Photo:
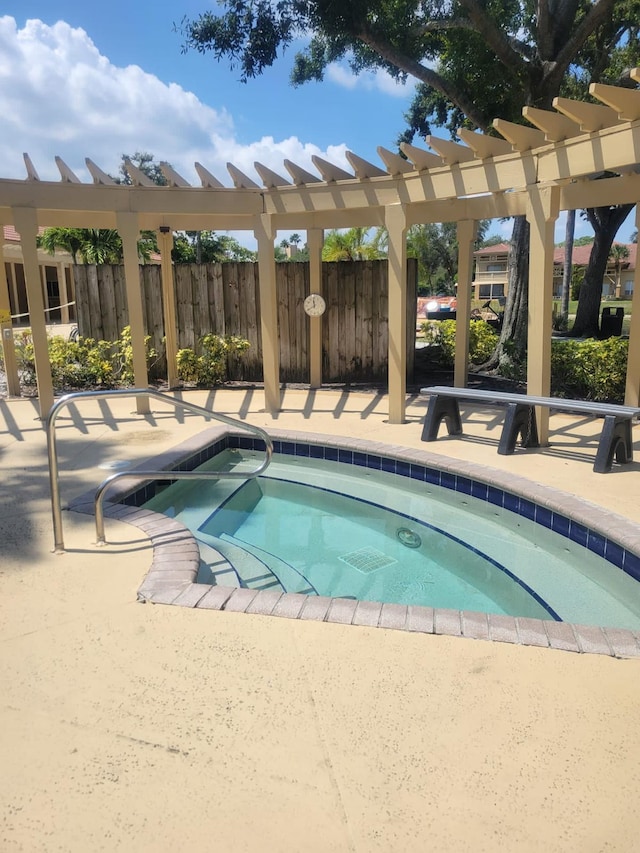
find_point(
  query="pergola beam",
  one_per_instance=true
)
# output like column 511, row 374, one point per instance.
column 522, row 138
column 484, row 146
column 555, row 126
column 590, row 117
column 451, row 152
column 626, row 102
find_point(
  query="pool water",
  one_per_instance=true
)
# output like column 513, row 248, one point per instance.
column 325, row 528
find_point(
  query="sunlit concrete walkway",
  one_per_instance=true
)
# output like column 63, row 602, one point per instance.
column 138, row 727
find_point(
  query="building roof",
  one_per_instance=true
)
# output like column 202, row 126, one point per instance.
column 12, row 236
column 580, row 255
column 498, row 249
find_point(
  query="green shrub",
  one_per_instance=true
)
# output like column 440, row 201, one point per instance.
column 122, row 355
column 482, row 340
column 83, row 363
column 589, row 370
column 210, row 367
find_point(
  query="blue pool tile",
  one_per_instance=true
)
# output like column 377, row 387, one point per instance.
column 448, row 480
column 245, row 442
column 560, row 524
column 464, row 485
column 373, row 461
column 578, row 533
column 494, row 496
column 544, row 517
column 360, row 458
column 403, row 469
column 632, row 565
column 432, row 476
column 596, row 543
column 511, row 502
column 331, row 453
column 288, row 447
column 479, row 490
column 527, row 509
column 418, row 472
column 614, row 553
column 388, row 465
column 345, row 456
column 302, row 450
column 316, row 451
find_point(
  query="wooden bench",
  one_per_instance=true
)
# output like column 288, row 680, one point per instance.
column 520, row 419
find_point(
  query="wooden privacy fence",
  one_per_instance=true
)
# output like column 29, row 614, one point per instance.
column 224, row 299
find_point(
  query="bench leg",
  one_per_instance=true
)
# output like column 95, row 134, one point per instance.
column 519, row 419
column 441, row 408
column 616, row 438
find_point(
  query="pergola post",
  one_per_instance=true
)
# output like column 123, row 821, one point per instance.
column 632, row 386
column 396, row 223
column 26, row 224
column 542, row 211
column 165, row 242
column 6, row 331
column 127, row 225
column 265, row 233
column 467, row 230
column 315, row 240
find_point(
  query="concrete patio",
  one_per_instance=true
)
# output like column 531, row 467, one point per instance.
column 146, row 727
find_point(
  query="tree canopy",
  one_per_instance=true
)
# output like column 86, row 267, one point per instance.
column 207, row 247
column 94, row 245
column 474, row 60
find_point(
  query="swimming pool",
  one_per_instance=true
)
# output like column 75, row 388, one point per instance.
column 510, row 555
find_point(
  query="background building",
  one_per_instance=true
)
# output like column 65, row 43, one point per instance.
column 490, row 271
column 56, row 275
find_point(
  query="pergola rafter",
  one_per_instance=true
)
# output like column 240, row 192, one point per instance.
column 533, row 171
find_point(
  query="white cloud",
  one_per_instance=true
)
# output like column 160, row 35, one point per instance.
column 59, row 95
column 378, row 80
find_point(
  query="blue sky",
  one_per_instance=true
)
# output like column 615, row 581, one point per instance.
column 98, row 80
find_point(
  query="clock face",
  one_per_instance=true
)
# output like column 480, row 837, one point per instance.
column 314, row 305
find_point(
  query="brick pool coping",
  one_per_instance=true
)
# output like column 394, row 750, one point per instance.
column 171, row 577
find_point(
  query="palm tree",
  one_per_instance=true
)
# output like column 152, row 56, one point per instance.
column 70, row 240
column 350, row 245
column 94, row 245
column 618, row 254
column 101, row 246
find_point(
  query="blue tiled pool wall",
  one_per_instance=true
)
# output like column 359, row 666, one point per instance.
column 561, row 524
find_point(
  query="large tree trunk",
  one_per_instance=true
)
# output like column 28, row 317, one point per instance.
column 605, row 222
column 512, row 345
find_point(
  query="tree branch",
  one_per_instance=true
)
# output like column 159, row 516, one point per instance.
column 576, row 38
column 502, row 46
column 439, row 25
column 426, row 75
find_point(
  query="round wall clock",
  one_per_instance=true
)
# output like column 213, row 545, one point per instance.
column 314, row 305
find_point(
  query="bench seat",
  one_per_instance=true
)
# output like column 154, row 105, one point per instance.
column 616, row 438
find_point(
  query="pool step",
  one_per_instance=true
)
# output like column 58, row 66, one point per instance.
column 251, row 571
column 215, row 568
column 287, row 577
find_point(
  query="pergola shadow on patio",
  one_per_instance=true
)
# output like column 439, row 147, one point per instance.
column 534, row 171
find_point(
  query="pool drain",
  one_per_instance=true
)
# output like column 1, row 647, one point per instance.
column 367, row 560
column 407, row 537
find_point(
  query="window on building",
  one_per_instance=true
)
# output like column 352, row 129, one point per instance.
column 496, row 267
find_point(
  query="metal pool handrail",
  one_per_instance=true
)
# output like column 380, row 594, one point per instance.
column 52, row 451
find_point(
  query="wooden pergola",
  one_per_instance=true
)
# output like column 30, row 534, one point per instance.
column 536, row 171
